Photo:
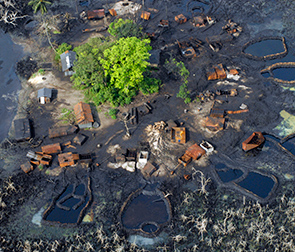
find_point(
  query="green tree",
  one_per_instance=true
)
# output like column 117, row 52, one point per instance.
column 39, row 5
column 180, row 71
column 89, row 73
column 125, row 28
column 113, row 72
column 125, row 62
column 61, row 49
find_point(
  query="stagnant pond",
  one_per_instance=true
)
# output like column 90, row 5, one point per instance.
column 147, row 209
column 284, row 73
column 258, row 184
column 73, row 205
column 288, row 145
column 265, row 47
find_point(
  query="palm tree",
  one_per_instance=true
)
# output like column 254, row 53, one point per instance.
column 39, row 4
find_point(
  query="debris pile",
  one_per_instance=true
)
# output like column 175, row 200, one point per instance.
column 155, row 136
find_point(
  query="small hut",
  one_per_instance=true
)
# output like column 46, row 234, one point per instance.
column 67, row 62
column 83, row 115
column 44, row 95
column 22, row 129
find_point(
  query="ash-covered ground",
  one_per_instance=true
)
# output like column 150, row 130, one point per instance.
column 218, row 216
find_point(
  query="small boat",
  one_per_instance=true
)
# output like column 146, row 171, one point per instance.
column 254, row 141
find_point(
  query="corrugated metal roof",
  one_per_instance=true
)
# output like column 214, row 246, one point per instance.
column 83, row 113
column 67, row 60
column 45, row 92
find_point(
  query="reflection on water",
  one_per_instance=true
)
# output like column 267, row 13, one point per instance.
column 72, row 204
column 10, row 53
column 290, row 145
column 229, row 175
column 258, row 184
column 287, row 74
column 145, row 209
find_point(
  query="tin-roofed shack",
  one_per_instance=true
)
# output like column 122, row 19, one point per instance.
column 44, row 95
column 22, row 129
column 83, row 115
column 67, row 62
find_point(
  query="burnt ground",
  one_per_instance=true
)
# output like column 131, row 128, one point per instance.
column 111, row 187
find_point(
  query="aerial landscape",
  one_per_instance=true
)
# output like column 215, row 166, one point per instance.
column 147, row 125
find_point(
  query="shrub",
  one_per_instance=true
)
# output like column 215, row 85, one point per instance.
column 61, row 49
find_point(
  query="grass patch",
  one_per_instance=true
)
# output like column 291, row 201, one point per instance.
column 67, row 116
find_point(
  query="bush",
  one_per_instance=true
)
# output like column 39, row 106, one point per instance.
column 61, row 49
column 125, row 28
column 41, row 71
column 180, row 71
column 113, row 113
column 67, row 116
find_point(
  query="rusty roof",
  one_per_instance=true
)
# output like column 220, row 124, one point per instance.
column 83, row 113
column 195, row 151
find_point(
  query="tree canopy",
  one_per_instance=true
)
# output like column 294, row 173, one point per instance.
column 113, row 71
column 125, row 28
column 125, row 62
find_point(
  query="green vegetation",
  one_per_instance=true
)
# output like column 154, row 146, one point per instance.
column 61, row 49
column 39, row 5
column 41, row 71
column 113, row 71
column 113, row 113
column 67, row 116
column 124, row 64
column 40, row 167
column 180, row 71
column 125, row 28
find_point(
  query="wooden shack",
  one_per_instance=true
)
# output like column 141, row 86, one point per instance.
column 149, row 169
column 96, row 14
column 214, row 123
column 195, row 152
column 83, row 115
column 27, row 167
column 67, row 159
column 62, row 131
column 180, row 19
column 216, row 73
column 51, row 148
column 145, row 15
column 22, row 129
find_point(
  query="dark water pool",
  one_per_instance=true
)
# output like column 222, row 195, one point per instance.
column 284, row 73
column 265, row 47
column 71, row 216
column 145, row 209
column 229, row 175
column 220, row 166
column 290, row 145
column 258, row 184
column 266, row 74
column 149, row 228
column 80, row 189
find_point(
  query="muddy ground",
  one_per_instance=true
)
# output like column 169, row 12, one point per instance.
column 28, row 193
